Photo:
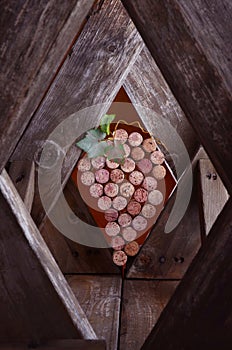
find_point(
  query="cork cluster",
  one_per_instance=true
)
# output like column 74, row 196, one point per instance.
column 126, row 193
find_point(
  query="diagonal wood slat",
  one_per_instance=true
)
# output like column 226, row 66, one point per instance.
column 146, row 86
column 213, row 195
column 22, row 174
column 92, row 74
column 199, row 313
column 34, row 39
column 36, row 301
column 190, row 42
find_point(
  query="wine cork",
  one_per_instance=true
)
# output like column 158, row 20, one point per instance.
column 117, row 176
column 118, row 243
column 132, row 248
column 140, row 195
column 111, row 215
column 159, row 172
column 112, row 229
column 155, row 197
column 139, row 223
column 148, row 211
column 87, row 178
column 111, row 189
column 119, row 258
column 104, row 203
column 84, row 164
column 136, row 177
column 127, row 189
column 102, row 176
column 133, row 208
column 127, row 150
column 145, row 165
column 129, row 234
column 124, row 220
column 96, row 190
column 137, row 153
column 98, row 162
column 111, row 164
column 157, row 157
column 149, row 145
column 135, row 139
column 128, row 166
column 149, row 183
column 119, row 203
column 121, row 135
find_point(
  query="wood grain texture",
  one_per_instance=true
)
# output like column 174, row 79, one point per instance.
column 71, row 256
column 143, row 301
column 34, row 39
column 213, row 194
column 90, row 77
column 168, row 256
column 184, row 45
column 36, row 301
column 22, row 174
column 70, row 344
column 146, row 86
column 199, row 313
column 100, row 299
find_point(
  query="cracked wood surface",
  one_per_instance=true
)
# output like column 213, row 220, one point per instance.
column 34, row 39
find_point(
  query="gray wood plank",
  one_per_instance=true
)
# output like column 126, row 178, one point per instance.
column 213, row 194
column 168, row 256
column 36, row 301
column 143, row 301
column 146, row 86
column 34, row 39
column 199, row 313
column 100, row 298
column 90, row 77
column 188, row 43
column 22, row 174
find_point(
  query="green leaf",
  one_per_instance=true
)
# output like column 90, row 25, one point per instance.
column 98, row 149
column 105, row 122
column 84, row 144
column 91, row 139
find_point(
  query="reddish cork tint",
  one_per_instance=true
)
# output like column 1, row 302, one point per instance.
column 126, row 199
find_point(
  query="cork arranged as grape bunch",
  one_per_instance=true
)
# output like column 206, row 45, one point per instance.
column 126, row 192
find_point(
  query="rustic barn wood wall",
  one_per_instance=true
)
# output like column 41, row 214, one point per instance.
column 68, row 56
column 189, row 46
column 35, row 38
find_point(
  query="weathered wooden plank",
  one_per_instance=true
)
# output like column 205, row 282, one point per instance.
column 143, row 301
column 213, row 195
column 70, row 344
column 90, row 77
column 34, row 39
column 188, row 43
column 100, row 298
column 36, row 301
column 146, row 87
column 168, row 256
column 22, row 174
column 199, row 313
column 71, row 256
